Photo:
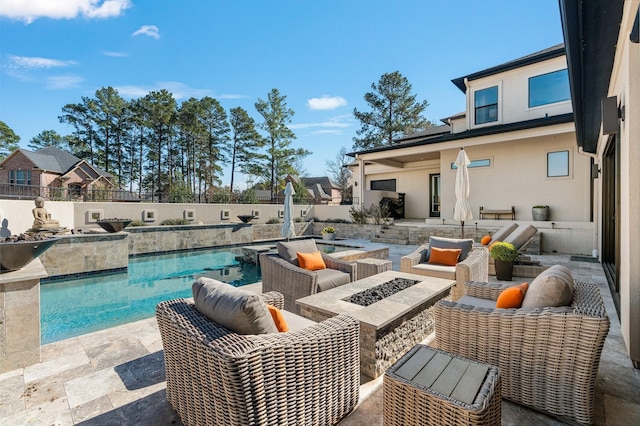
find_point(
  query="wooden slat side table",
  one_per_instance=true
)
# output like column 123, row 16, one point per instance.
column 428, row 386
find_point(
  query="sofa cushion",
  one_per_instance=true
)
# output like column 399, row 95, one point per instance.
column 278, row 318
column 238, row 310
column 296, row 322
column 465, row 245
column 311, row 261
column 446, row 257
column 553, row 287
column 503, row 232
column 288, row 250
column 520, row 236
column 477, row 302
column 331, row 278
column 438, row 271
column 512, row 297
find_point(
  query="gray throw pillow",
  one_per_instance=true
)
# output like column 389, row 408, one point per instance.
column 553, row 287
column 288, row 250
column 238, row 310
column 465, row 245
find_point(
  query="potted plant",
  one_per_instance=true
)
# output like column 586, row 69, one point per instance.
column 329, row 233
column 504, row 255
column 540, row 212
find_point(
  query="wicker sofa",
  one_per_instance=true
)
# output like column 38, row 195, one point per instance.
column 473, row 268
column 548, row 357
column 283, row 275
column 217, row 377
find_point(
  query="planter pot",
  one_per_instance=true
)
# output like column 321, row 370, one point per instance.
column 504, row 270
column 15, row 255
column 540, row 213
column 328, row 236
column 112, row 226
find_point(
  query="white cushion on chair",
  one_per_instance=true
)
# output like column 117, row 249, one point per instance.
column 433, row 270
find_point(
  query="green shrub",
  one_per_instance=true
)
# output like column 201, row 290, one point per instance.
column 273, row 220
column 504, row 251
column 175, row 222
column 329, row 230
column 298, row 219
column 137, row 222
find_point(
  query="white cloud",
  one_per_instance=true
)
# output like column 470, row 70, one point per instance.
column 148, row 30
column 115, row 54
column 232, row 96
column 33, row 62
column 63, row 81
column 337, row 122
column 30, row 10
column 179, row 90
column 326, row 102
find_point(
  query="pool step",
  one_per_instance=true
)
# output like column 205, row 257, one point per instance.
column 392, row 235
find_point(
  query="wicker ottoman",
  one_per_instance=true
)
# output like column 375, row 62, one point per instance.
column 428, row 386
column 370, row 266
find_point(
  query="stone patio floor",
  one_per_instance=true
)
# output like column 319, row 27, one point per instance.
column 116, row 376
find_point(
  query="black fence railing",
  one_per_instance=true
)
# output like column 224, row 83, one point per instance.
column 30, row 192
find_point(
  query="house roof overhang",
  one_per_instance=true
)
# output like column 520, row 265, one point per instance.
column 590, row 31
column 425, row 149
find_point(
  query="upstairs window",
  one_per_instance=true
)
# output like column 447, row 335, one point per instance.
column 20, row 177
column 549, row 88
column 558, row 164
column 486, row 105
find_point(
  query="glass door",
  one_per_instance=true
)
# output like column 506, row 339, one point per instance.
column 611, row 218
column 434, row 195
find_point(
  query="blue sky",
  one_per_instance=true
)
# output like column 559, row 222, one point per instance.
column 323, row 55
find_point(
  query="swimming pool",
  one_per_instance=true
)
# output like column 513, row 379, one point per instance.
column 74, row 307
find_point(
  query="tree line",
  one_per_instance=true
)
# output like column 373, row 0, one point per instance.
column 156, row 145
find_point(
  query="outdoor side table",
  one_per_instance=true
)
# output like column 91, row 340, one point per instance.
column 428, row 386
column 370, row 266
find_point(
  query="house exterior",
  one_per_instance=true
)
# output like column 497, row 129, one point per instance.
column 517, row 129
column 603, row 51
column 52, row 173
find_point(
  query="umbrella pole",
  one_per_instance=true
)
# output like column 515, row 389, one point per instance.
column 462, row 228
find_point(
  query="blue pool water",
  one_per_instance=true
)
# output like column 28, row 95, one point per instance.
column 74, row 307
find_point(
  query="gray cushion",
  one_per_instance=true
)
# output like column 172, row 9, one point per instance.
column 238, row 310
column 331, row 278
column 478, row 302
column 553, row 287
column 287, row 250
column 520, row 236
column 465, row 245
column 503, row 232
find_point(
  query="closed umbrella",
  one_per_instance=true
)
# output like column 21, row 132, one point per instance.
column 462, row 209
column 288, row 228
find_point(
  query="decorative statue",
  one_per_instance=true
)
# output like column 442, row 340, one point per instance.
column 42, row 219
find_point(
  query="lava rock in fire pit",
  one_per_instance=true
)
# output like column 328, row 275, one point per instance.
column 379, row 292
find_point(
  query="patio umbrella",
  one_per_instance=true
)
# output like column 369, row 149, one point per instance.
column 462, row 209
column 288, row 228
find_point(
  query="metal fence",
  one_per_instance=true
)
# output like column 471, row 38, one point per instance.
column 30, row 192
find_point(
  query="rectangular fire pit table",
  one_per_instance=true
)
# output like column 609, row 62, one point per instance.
column 388, row 327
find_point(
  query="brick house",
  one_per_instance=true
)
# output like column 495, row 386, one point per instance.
column 52, row 173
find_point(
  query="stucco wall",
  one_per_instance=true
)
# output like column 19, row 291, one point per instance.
column 19, row 218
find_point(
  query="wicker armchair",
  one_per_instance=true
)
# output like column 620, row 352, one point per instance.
column 293, row 281
column 473, row 268
column 217, row 377
column 548, row 357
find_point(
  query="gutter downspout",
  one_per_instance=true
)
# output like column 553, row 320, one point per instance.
column 361, row 180
column 594, row 200
column 468, row 98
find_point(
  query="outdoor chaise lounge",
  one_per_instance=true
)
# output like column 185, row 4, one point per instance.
column 218, row 377
column 472, row 264
column 548, row 357
column 281, row 272
column 519, row 237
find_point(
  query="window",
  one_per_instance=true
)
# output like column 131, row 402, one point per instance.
column 20, row 177
column 434, row 191
column 549, row 88
column 475, row 163
column 383, row 185
column 558, row 164
column 486, row 105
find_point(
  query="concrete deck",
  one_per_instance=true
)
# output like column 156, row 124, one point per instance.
column 116, row 376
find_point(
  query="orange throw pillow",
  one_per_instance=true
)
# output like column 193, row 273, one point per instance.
column 311, row 261
column 512, row 297
column 278, row 318
column 447, row 257
column 485, row 240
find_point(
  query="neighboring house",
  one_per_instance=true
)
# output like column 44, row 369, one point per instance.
column 518, row 131
column 51, row 172
column 322, row 190
column 603, row 47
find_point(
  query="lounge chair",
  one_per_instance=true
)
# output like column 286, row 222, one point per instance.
column 519, row 237
column 472, row 265
column 281, row 273
column 548, row 357
column 218, row 377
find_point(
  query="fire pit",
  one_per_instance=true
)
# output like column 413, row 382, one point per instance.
column 372, row 295
column 114, row 225
column 18, row 251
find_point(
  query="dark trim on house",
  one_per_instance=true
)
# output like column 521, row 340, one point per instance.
column 543, row 55
column 590, row 31
column 635, row 31
column 483, row 131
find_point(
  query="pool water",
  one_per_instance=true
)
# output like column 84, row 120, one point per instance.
column 74, row 307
